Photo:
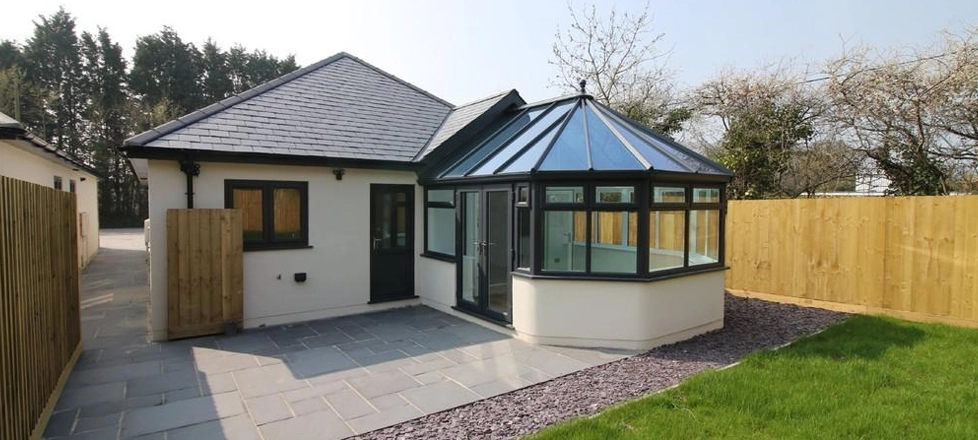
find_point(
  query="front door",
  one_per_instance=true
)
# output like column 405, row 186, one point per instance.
column 486, row 253
column 391, row 242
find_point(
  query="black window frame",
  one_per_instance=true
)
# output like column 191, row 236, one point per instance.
column 71, row 186
column 686, row 207
column 427, row 252
column 58, row 183
column 589, row 206
column 268, row 212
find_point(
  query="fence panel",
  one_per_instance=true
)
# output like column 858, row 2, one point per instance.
column 40, row 333
column 913, row 257
column 205, row 279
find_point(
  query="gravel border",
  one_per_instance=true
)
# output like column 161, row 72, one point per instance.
column 749, row 325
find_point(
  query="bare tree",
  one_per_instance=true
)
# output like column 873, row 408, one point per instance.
column 914, row 113
column 769, row 127
column 621, row 60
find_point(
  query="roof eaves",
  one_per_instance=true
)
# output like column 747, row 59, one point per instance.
column 150, row 135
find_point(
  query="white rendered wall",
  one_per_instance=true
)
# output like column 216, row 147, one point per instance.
column 23, row 161
column 338, row 264
column 617, row 314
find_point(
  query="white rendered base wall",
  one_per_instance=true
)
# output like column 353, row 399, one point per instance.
column 617, row 314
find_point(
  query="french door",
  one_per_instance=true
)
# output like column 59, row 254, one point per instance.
column 484, row 283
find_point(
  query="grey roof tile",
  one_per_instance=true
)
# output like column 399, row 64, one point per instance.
column 340, row 107
column 458, row 119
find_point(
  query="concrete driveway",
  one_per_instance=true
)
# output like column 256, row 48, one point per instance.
column 325, row 379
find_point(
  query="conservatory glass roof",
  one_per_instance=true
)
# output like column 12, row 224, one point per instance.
column 574, row 134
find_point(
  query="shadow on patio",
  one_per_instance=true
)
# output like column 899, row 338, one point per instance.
column 322, row 379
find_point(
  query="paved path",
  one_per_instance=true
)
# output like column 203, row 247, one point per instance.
column 325, row 379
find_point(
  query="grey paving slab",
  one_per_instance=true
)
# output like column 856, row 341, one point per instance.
column 179, row 414
column 99, row 423
column 439, row 396
column 270, row 379
column 309, row 406
column 268, row 409
column 315, row 426
column 300, row 381
column 230, row 428
column 90, row 395
column 383, row 383
column 349, row 404
column 161, row 383
column 382, row 419
column 61, row 423
column 500, row 386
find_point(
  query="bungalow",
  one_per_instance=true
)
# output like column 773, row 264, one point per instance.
column 27, row 157
column 559, row 222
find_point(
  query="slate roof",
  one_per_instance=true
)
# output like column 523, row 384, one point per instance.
column 340, row 107
column 12, row 129
column 459, row 118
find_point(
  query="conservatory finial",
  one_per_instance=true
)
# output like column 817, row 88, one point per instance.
column 583, row 83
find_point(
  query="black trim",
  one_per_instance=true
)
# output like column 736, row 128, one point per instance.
column 438, row 256
column 657, row 276
column 387, row 300
column 266, row 159
column 486, row 318
column 268, row 212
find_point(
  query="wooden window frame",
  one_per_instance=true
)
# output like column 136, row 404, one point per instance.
column 268, row 188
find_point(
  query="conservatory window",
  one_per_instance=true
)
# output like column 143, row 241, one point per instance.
column 564, row 241
column 667, row 230
column 704, row 237
column 614, row 241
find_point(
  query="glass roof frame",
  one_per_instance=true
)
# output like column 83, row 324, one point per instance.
column 575, row 134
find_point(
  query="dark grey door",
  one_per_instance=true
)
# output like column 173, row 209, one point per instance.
column 484, row 285
column 391, row 242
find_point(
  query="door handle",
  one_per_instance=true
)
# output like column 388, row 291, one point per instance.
column 377, row 240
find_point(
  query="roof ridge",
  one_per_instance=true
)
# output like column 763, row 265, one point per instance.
column 484, row 99
column 395, row 78
column 199, row 114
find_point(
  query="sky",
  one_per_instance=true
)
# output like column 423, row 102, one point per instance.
column 462, row 50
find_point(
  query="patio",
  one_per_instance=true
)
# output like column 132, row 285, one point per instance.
column 322, row 379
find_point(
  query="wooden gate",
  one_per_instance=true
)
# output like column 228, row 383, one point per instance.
column 204, row 271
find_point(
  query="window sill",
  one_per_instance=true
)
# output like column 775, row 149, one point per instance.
column 622, row 277
column 439, row 257
column 275, row 247
column 485, row 318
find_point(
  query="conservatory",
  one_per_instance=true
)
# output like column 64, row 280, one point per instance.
column 575, row 225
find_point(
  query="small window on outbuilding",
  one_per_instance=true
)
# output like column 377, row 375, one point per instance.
column 440, row 227
column 275, row 213
column 71, row 186
column 57, row 182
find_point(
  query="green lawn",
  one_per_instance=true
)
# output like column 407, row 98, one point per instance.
column 866, row 378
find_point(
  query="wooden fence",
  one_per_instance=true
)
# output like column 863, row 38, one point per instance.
column 40, row 334
column 205, row 279
column 912, row 257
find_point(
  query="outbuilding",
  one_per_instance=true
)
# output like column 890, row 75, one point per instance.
column 26, row 157
column 561, row 222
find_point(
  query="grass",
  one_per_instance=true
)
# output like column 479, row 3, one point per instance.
column 866, row 378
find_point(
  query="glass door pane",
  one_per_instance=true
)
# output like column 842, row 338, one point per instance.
column 471, row 238
column 497, row 264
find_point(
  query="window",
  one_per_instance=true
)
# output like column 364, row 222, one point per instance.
column 523, row 243
column 57, row 182
column 440, row 225
column 275, row 214
column 71, row 185
column 593, row 234
column 684, row 231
